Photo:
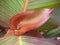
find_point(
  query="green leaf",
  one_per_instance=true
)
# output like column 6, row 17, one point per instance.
column 9, row 8
column 38, row 4
column 8, row 40
column 53, row 33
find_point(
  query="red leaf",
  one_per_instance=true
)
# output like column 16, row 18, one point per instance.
column 29, row 20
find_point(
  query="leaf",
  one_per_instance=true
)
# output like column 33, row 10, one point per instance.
column 29, row 20
column 38, row 4
column 49, row 25
column 53, row 22
column 9, row 8
column 9, row 40
column 53, row 33
column 38, row 41
column 27, row 40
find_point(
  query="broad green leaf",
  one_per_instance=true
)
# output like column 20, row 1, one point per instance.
column 10, row 40
column 38, row 4
column 53, row 33
column 9, row 8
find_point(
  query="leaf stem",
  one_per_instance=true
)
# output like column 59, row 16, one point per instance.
column 20, row 41
column 25, row 5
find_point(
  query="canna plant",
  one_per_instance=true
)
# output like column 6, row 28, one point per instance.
column 23, row 17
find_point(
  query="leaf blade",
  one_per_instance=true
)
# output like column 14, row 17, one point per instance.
column 38, row 4
column 10, row 8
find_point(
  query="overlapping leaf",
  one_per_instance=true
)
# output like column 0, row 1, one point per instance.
column 8, row 8
column 38, row 4
column 53, row 22
column 29, row 20
column 53, row 33
column 27, row 40
column 49, row 25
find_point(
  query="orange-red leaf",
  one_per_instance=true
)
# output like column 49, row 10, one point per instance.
column 29, row 20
